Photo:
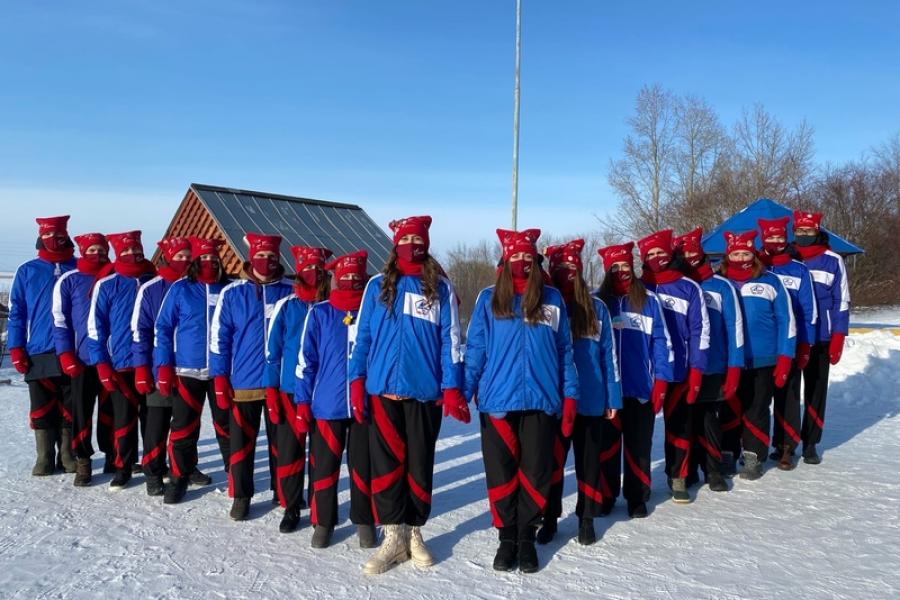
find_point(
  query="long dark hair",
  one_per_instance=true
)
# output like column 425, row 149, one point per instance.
column 582, row 316
column 502, row 301
column 431, row 279
column 637, row 293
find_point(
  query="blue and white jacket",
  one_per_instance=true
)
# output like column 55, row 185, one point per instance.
column 181, row 336
column 797, row 280
column 832, row 294
column 515, row 365
column 687, row 322
column 143, row 319
column 30, row 323
column 283, row 345
column 769, row 327
column 109, row 320
column 321, row 372
column 726, row 325
column 643, row 345
column 597, row 364
column 411, row 349
column 239, row 331
column 71, row 305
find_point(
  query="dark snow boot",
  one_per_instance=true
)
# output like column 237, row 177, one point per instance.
column 82, row 472
column 367, row 536
column 321, row 537
column 716, row 482
column 547, row 531
column 45, row 446
column 505, row 559
column 109, row 464
column 810, row 456
column 527, row 555
column 197, row 477
column 728, row 465
column 239, row 509
column 155, row 485
column 679, row 492
column 606, row 506
column 66, row 459
column 137, row 469
column 120, row 480
column 290, row 520
column 175, row 490
column 752, row 467
column 786, row 459
column 586, row 533
column 637, row 510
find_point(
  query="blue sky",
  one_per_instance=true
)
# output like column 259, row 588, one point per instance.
column 109, row 109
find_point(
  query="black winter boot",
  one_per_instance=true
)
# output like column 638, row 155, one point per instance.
column 155, row 485
column 606, row 506
column 716, row 482
column 586, row 533
column 45, row 446
column 637, row 510
column 811, row 456
column 239, row 509
column 321, row 537
column 729, row 465
column 290, row 520
column 547, row 531
column 528, row 559
column 197, row 477
column 120, row 480
column 175, row 490
column 505, row 559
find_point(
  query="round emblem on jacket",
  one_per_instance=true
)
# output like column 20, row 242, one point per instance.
column 546, row 314
column 788, row 281
column 757, row 289
column 669, row 302
column 422, row 307
column 636, row 322
column 707, row 297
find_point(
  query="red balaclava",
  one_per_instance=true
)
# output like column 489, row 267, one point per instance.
column 270, row 266
column 92, row 263
column 564, row 277
column 808, row 248
column 306, row 287
column 173, row 269
column 739, row 271
column 696, row 267
column 774, row 252
column 58, row 248
column 621, row 280
column 347, row 293
column 134, row 264
column 658, row 269
column 513, row 242
column 208, row 271
column 411, row 256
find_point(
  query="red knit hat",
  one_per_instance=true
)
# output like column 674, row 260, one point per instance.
column 201, row 246
column 570, row 252
column 411, row 225
column 86, row 240
column 123, row 241
column 740, row 241
column 773, row 227
column 807, row 219
column 513, row 242
column 260, row 242
column 355, row 262
column 692, row 241
column 618, row 253
column 309, row 255
column 58, row 225
column 660, row 239
column 173, row 245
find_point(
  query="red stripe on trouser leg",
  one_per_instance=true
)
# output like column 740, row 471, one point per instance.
column 757, row 433
column 324, row 428
column 243, row 452
column 685, row 446
column 319, row 486
column 119, row 434
column 734, row 403
column 379, row 484
column 786, row 427
column 192, row 402
column 150, row 456
column 47, row 385
column 590, row 492
column 81, row 436
column 815, row 416
column 504, row 430
column 678, row 442
column 635, row 469
column 417, row 490
column 676, row 392
column 180, row 434
column 498, row 493
column 66, row 414
column 282, row 472
column 361, row 485
column 611, row 452
column 43, row 411
column 559, row 459
column 709, row 447
column 734, row 424
column 220, row 432
column 535, row 495
column 387, row 429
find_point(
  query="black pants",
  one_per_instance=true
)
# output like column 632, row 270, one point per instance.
column 242, row 430
column 679, row 431
column 129, row 409
column 156, row 434
column 632, row 429
column 706, row 445
column 786, row 428
column 815, row 392
column 86, row 391
column 291, row 460
column 587, row 441
column 187, row 408
column 401, row 446
column 518, row 465
column 755, row 391
column 328, row 440
column 51, row 402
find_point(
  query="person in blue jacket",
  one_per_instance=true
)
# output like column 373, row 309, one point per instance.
column 688, row 324
column 71, row 305
column 237, row 361
column 324, row 409
column 181, row 359
column 769, row 345
column 798, row 282
column 646, row 361
column 311, row 285
column 31, row 349
column 110, row 346
column 407, row 359
column 725, row 359
column 601, row 394
column 519, row 365
column 832, row 292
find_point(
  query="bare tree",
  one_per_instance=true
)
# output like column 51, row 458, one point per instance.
column 471, row 268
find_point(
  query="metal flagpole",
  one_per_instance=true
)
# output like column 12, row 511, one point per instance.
column 516, row 93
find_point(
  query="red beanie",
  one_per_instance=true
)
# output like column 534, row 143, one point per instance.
column 173, row 245
column 355, row 262
column 309, row 255
column 739, row 241
column 57, row 225
column 123, row 241
column 259, row 242
column 807, row 219
column 570, row 252
column 201, row 246
column 773, row 227
column 692, row 241
column 660, row 239
column 87, row 240
column 514, row 242
column 618, row 253
column 411, row 225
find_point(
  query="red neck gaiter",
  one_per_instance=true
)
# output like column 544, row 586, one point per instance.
column 134, row 269
column 666, row 276
column 56, row 257
column 306, row 293
column 90, row 267
column 519, row 284
column 807, row 252
column 408, row 267
column 701, row 273
column 345, row 299
column 169, row 274
column 738, row 274
column 774, row 259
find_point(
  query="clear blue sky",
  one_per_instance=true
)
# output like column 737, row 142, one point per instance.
column 109, row 109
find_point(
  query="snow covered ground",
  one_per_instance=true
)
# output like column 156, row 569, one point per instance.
column 827, row 531
column 875, row 316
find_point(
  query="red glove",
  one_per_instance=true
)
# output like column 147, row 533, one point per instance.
column 782, row 370
column 455, row 405
column 272, row 400
column 836, row 347
column 732, row 379
column 224, row 392
column 570, row 407
column 304, row 418
column 358, row 399
column 695, row 378
column 802, row 355
column 658, row 395
column 20, row 359
column 143, row 379
column 70, row 364
column 165, row 379
column 109, row 379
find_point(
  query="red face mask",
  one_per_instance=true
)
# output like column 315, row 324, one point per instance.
column 350, row 284
column 743, row 265
column 208, row 271
column 179, row 266
column 694, row 261
column 311, row 277
column 98, row 258
column 520, row 269
column 267, row 266
column 773, row 248
column 413, row 252
column 564, row 279
column 657, row 263
column 131, row 259
column 55, row 243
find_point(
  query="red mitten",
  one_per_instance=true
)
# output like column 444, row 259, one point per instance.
column 70, row 364
column 109, row 379
column 304, row 418
column 20, row 359
column 695, row 379
column 272, row 400
column 165, row 379
column 570, row 408
column 143, row 379
column 836, row 347
column 732, row 380
column 455, row 405
column 658, row 394
column 782, row 370
column 802, row 355
column 224, row 392
column 358, row 399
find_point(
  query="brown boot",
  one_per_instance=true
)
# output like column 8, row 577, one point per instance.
column 786, row 461
column 82, row 472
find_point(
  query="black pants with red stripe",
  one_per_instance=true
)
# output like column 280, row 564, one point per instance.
column 129, row 410
column 291, row 460
column 402, row 440
column 243, row 430
column 786, row 428
column 156, row 434
column 815, row 392
column 86, row 391
column 679, row 431
column 755, row 391
column 587, row 444
column 706, row 445
column 328, row 440
column 187, row 408
column 518, row 465
column 51, row 402
column 631, row 430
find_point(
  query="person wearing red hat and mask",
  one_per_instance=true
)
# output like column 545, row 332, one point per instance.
column 798, row 282
column 311, row 285
column 724, row 364
column 832, row 291
column 405, row 365
column 770, row 333
column 323, row 409
column 688, row 324
column 519, row 363
column 31, row 346
column 646, row 360
column 238, row 338
column 71, row 305
column 181, row 359
column 110, row 342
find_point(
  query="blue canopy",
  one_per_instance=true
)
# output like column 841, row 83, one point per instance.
column 714, row 241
